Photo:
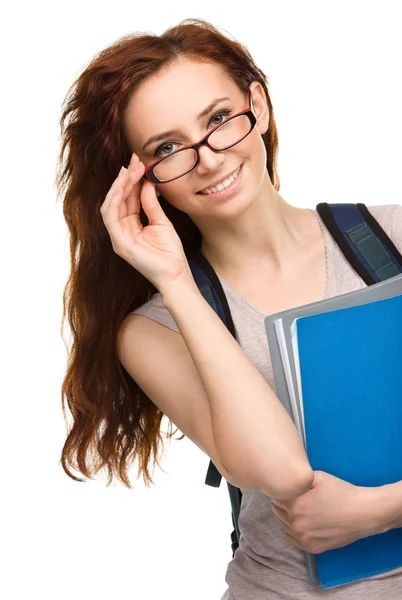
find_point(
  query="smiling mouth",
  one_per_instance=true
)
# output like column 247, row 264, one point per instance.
column 226, row 182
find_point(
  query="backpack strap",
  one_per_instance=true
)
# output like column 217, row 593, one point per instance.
column 211, row 289
column 362, row 240
column 364, row 244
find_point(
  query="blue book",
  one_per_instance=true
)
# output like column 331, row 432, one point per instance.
column 349, row 370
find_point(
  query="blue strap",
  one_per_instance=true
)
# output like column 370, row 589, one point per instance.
column 206, row 288
column 363, row 242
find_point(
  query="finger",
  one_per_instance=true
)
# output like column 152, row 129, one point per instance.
column 111, row 214
column 121, row 180
column 281, row 514
column 281, row 503
column 287, row 529
column 114, row 207
column 116, row 185
column 132, row 197
column 151, row 205
column 293, row 541
column 131, row 200
column 133, row 194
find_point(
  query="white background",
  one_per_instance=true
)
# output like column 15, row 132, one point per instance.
column 334, row 71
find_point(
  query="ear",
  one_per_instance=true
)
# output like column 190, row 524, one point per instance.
column 259, row 106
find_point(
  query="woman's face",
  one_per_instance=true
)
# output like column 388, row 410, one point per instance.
column 172, row 100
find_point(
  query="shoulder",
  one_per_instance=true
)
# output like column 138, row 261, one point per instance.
column 389, row 216
column 155, row 310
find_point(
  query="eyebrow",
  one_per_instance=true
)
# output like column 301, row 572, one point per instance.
column 202, row 114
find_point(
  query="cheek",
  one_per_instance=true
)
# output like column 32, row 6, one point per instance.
column 175, row 193
column 255, row 157
column 252, row 151
column 258, row 155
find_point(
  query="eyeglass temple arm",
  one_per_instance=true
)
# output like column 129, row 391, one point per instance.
column 251, row 101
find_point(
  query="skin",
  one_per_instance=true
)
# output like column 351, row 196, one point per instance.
column 254, row 227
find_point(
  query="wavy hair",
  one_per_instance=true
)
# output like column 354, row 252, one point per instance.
column 113, row 421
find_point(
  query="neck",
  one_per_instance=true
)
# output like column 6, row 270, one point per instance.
column 269, row 235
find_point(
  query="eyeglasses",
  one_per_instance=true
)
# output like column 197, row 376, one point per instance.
column 224, row 136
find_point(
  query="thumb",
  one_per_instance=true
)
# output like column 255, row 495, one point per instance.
column 151, row 205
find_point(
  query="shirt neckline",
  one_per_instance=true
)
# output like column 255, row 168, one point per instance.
column 258, row 313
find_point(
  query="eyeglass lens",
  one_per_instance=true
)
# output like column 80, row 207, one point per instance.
column 229, row 133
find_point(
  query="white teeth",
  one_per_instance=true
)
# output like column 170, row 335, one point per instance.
column 221, row 186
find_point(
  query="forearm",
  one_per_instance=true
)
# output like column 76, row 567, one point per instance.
column 389, row 505
column 254, row 436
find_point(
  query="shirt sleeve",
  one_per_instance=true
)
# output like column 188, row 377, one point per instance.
column 155, row 309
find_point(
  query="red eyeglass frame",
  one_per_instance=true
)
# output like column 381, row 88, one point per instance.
column 149, row 174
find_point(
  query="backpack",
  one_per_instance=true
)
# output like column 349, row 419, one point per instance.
column 364, row 244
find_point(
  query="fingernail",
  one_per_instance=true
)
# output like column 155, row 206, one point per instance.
column 120, row 172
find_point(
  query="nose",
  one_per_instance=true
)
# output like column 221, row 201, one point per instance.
column 209, row 160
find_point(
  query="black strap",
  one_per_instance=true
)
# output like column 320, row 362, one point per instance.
column 378, row 230
column 213, row 477
column 204, row 264
column 326, row 214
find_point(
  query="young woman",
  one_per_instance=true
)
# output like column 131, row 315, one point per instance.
column 186, row 121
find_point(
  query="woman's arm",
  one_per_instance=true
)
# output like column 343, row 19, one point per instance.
column 254, row 435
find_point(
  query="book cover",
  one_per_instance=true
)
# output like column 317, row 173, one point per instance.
column 350, row 379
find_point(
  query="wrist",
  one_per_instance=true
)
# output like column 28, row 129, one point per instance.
column 390, row 505
column 384, row 507
column 177, row 290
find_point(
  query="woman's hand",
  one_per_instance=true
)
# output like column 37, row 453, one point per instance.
column 156, row 250
column 332, row 514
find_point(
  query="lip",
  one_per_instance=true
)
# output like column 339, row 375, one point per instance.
column 218, row 182
column 226, row 191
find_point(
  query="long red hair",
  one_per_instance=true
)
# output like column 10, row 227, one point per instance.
column 113, row 421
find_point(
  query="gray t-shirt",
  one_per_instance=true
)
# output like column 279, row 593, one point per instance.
column 266, row 566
